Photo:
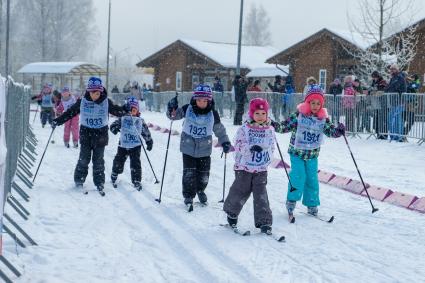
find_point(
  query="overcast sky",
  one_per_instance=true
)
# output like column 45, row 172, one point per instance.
column 141, row 27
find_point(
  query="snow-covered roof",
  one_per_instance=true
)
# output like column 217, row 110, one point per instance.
column 267, row 72
column 226, row 53
column 353, row 37
column 72, row 68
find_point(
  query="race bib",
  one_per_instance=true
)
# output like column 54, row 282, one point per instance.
column 93, row 115
column 309, row 133
column 130, row 132
column 264, row 138
column 198, row 126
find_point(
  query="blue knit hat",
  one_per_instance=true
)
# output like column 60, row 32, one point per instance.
column 94, row 84
column 132, row 102
column 66, row 89
column 202, row 91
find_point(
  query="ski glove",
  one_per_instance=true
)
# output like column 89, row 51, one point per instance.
column 341, row 129
column 149, row 145
column 256, row 148
column 173, row 104
column 54, row 124
column 276, row 125
column 115, row 128
column 226, row 147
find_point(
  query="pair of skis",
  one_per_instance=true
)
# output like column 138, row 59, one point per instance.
column 236, row 230
column 189, row 206
column 291, row 217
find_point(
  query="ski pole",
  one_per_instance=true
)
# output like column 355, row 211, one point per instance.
column 165, row 161
column 284, row 167
column 41, row 160
column 35, row 114
column 224, row 176
column 374, row 209
column 147, row 157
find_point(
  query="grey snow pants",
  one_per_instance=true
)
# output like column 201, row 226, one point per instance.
column 241, row 189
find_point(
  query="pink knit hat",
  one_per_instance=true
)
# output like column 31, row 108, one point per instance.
column 258, row 104
column 314, row 92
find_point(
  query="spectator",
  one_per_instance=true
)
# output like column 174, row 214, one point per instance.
column 349, row 103
column 379, row 105
column 148, row 95
column 309, row 82
column 413, row 84
column 115, row 89
column 335, row 89
column 126, row 88
column 288, row 103
column 240, row 87
column 396, row 119
column 218, row 90
column 255, row 87
column 278, row 88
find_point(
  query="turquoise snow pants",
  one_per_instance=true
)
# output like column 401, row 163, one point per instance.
column 304, row 178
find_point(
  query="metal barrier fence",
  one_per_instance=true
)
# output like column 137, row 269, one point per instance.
column 383, row 115
column 21, row 145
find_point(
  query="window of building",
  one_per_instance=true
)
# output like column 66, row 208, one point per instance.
column 322, row 79
column 209, row 81
column 178, row 81
column 195, row 81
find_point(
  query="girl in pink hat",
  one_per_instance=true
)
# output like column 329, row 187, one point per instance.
column 308, row 125
column 254, row 146
column 72, row 125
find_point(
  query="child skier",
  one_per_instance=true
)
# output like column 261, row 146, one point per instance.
column 93, row 108
column 200, row 121
column 46, row 102
column 307, row 124
column 132, row 126
column 254, row 147
column 72, row 125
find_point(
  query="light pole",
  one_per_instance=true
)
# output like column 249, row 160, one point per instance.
column 7, row 39
column 107, row 52
column 238, row 64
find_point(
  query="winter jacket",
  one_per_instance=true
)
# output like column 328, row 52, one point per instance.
column 379, row 85
column 255, row 88
column 94, row 137
column 397, row 84
column 202, row 146
column 335, row 89
column 218, row 87
column 349, row 97
column 249, row 134
column 291, row 125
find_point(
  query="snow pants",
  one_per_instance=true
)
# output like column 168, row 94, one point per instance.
column 196, row 173
column 95, row 154
column 244, row 184
column 135, row 164
column 71, row 126
column 46, row 115
column 305, row 180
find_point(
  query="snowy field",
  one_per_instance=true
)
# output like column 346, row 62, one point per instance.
column 128, row 237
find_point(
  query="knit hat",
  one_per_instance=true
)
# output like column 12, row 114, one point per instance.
column 47, row 88
column 133, row 103
column 257, row 104
column 314, row 92
column 94, row 84
column 66, row 89
column 202, row 91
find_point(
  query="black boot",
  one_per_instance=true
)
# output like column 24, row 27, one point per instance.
column 202, row 197
column 233, row 221
column 266, row 229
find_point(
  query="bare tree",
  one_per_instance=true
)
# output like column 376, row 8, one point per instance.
column 52, row 30
column 380, row 25
column 256, row 29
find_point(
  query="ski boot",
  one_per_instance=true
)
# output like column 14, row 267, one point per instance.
column 266, row 229
column 232, row 220
column 114, row 180
column 290, row 206
column 67, row 144
column 100, row 188
column 189, row 204
column 137, row 185
column 79, row 186
column 312, row 210
column 75, row 144
column 202, row 197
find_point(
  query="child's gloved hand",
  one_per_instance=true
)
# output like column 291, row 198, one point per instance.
column 54, row 124
column 341, row 129
column 173, row 104
column 149, row 145
column 256, row 148
column 226, row 147
column 114, row 128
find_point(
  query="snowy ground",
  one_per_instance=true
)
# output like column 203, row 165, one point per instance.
column 128, row 237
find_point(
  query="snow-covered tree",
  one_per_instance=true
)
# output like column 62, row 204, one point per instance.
column 380, row 25
column 256, row 30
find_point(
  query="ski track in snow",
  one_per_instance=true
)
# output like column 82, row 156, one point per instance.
column 128, row 237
